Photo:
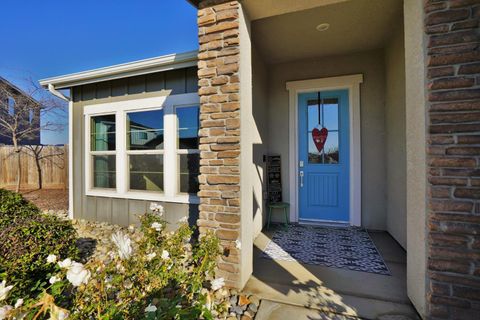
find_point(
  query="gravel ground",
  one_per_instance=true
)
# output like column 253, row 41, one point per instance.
column 47, row 199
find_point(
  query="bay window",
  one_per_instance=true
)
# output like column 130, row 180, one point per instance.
column 145, row 149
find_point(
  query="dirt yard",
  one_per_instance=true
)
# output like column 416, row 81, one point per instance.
column 48, row 199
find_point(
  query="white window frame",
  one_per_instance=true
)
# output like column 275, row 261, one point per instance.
column 171, row 191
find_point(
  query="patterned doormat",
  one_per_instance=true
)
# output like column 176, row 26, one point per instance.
column 346, row 248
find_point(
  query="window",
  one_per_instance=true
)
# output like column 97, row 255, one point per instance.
column 145, row 135
column 144, row 149
column 323, row 124
column 187, row 148
column 11, row 106
column 103, row 151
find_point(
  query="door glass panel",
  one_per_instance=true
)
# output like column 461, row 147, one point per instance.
column 313, row 116
column 330, row 114
column 330, row 155
column 323, row 131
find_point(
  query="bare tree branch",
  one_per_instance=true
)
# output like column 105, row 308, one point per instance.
column 25, row 113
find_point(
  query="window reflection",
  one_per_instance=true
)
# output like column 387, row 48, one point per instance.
column 188, row 149
column 102, row 133
column 145, row 130
column 146, row 172
column 188, row 124
column 104, row 171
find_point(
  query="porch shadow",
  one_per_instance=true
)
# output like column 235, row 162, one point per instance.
column 331, row 290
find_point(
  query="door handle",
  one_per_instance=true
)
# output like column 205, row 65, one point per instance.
column 301, row 179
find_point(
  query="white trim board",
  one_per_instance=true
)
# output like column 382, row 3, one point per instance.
column 352, row 84
column 70, row 159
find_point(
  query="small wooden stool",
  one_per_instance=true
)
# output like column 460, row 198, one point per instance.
column 278, row 205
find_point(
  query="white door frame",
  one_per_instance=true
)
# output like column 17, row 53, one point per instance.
column 352, row 84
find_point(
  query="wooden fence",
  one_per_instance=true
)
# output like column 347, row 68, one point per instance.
column 52, row 162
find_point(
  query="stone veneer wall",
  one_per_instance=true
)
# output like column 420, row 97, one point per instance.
column 219, row 86
column 453, row 72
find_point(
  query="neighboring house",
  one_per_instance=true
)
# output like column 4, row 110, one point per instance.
column 10, row 96
column 394, row 83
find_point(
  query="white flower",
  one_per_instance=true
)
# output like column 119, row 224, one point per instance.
column 151, row 256
column 54, row 279
column 57, row 313
column 238, row 244
column 183, row 220
column 150, row 308
column 4, row 290
column 4, row 311
column 157, row 208
column 165, row 255
column 128, row 284
column 157, row 226
column 217, row 283
column 51, row 258
column 123, row 244
column 77, row 274
column 131, row 228
column 65, row 264
column 19, row 303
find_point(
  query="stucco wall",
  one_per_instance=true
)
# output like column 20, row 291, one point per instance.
column 395, row 137
column 260, row 142
column 372, row 92
column 416, row 153
column 248, row 135
column 117, row 210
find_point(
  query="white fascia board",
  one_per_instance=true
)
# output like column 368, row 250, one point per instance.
column 130, row 69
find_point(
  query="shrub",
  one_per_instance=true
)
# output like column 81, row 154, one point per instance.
column 13, row 206
column 149, row 274
column 27, row 239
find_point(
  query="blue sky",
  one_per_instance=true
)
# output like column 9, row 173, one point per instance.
column 46, row 38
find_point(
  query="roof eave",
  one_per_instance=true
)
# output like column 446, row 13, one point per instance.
column 194, row 2
column 130, row 69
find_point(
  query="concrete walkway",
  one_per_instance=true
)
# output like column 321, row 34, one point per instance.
column 287, row 287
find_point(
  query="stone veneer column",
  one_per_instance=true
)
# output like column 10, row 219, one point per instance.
column 453, row 153
column 219, row 86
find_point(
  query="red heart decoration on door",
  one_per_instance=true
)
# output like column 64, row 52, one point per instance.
column 319, row 138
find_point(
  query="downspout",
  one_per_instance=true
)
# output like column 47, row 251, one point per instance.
column 60, row 95
column 57, row 93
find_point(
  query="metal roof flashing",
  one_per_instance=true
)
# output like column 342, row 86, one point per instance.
column 124, row 70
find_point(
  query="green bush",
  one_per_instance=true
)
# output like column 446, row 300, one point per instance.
column 27, row 238
column 13, row 206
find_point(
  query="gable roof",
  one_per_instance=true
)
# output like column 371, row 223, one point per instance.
column 129, row 69
column 17, row 90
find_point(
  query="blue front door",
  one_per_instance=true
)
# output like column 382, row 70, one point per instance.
column 324, row 161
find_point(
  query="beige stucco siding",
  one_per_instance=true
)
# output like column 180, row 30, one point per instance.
column 395, row 137
column 260, row 143
column 372, row 93
column 248, row 135
column 118, row 210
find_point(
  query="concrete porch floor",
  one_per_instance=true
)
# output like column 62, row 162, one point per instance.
column 286, row 285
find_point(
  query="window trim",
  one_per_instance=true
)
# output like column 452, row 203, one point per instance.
column 168, row 104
